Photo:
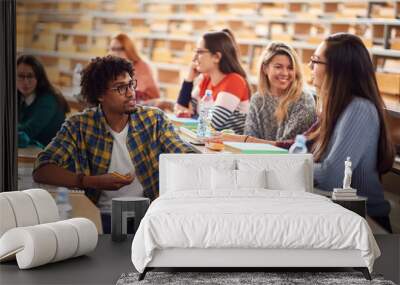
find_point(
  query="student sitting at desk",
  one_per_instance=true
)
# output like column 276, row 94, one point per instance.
column 95, row 148
column 282, row 108
column 41, row 108
column 352, row 122
column 216, row 59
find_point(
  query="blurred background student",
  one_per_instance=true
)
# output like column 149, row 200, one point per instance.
column 216, row 60
column 147, row 89
column 41, row 108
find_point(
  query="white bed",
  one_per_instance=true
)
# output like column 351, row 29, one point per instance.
column 220, row 211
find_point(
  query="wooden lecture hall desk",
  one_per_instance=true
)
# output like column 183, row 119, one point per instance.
column 28, row 154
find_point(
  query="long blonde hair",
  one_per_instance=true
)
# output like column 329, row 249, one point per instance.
column 296, row 87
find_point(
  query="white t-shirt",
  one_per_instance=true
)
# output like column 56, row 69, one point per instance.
column 121, row 162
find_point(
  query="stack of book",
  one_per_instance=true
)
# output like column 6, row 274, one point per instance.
column 189, row 133
column 344, row 194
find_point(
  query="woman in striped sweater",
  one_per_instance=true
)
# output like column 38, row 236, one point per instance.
column 217, row 67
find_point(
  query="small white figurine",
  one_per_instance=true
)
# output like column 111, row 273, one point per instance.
column 347, row 174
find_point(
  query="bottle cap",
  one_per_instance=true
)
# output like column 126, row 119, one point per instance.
column 300, row 139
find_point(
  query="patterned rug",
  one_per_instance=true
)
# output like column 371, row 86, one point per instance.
column 243, row 278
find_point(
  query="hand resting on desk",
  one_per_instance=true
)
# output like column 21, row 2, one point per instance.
column 182, row 111
column 55, row 175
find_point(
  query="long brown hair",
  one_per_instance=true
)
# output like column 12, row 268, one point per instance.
column 349, row 74
column 129, row 47
column 224, row 43
column 233, row 39
column 43, row 83
column 296, row 87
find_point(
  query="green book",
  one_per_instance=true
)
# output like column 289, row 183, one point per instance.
column 179, row 122
column 253, row 148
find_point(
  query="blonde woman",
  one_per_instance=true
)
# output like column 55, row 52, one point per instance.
column 281, row 109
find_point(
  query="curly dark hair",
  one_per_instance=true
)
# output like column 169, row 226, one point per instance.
column 99, row 72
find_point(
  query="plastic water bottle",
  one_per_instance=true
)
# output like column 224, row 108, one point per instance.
column 204, row 125
column 76, row 78
column 62, row 201
column 299, row 145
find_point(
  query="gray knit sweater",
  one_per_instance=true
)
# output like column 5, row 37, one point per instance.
column 356, row 135
column 261, row 121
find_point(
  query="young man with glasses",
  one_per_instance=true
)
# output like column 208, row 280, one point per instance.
column 114, row 146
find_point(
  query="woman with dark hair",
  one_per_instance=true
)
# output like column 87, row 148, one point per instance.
column 216, row 60
column 41, row 108
column 122, row 46
column 351, row 123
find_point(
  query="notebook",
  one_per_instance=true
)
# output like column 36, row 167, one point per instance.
column 253, row 148
column 190, row 133
column 186, row 122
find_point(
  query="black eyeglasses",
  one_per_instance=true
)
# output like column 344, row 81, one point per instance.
column 315, row 60
column 123, row 89
column 22, row 77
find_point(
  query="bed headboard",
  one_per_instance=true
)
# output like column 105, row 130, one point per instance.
column 284, row 164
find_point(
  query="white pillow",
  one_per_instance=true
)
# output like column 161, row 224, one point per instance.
column 251, row 178
column 290, row 180
column 223, row 179
column 226, row 179
column 282, row 174
column 186, row 175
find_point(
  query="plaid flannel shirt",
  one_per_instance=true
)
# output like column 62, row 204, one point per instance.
column 84, row 145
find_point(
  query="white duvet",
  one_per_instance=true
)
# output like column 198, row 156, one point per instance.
column 256, row 218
